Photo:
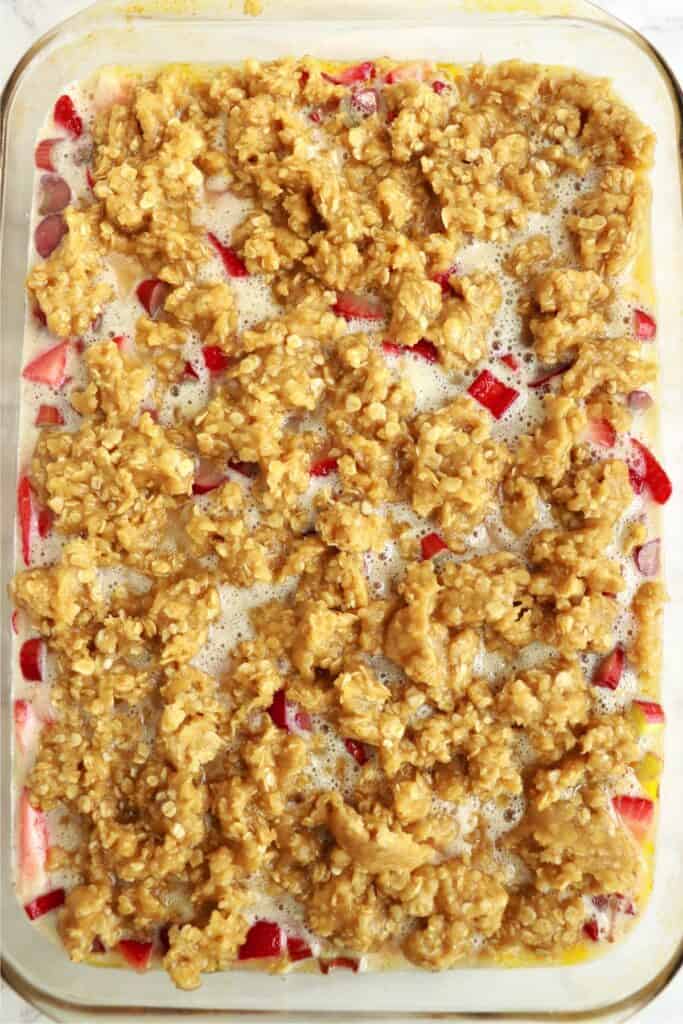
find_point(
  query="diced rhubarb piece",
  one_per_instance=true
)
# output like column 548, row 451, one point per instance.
column 286, row 714
column 638, row 401
column 323, row 467
column 431, row 545
column 33, row 843
column 601, row 432
column 26, row 725
column 89, row 178
column 55, row 194
column 443, row 278
column 32, row 659
column 425, row 349
column 364, row 102
column 248, row 469
column 44, row 154
column 648, row 712
column 49, row 415
column 45, row 903
column 44, row 522
column 215, row 359
column 646, row 557
column 66, row 117
column 549, row 375
column 189, row 371
column 610, row 669
column 27, row 517
column 340, row 963
column 138, row 954
column 408, row 73
column 234, row 267
column 298, row 948
column 644, row 325
column 636, row 812
column 361, row 307
column 207, row 478
column 152, row 294
column 492, row 393
column 364, row 72
column 357, row 750
column 591, row 930
column 656, row 479
column 264, row 939
column 49, row 233
column 440, row 87
column 49, row 367
column 512, row 361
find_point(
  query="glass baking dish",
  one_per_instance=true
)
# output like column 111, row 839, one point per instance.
column 612, row 987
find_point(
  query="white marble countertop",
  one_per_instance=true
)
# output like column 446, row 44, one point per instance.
column 23, row 21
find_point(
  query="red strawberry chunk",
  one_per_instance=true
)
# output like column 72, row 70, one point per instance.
column 45, row 903
column 215, row 359
column 89, row 178
column 248, row 469
column 425, row 349
column 392, row 349
column 323, row 467
column 610, row 669
column 440, row 87
column 32, row 659
column 26, row 515
column 44, row 522
column 138, row 954
column 591, row 930
column 357, row 750
column 512, row 361
column 49, row 415
column 492, row 393
column 646, row 557
column 190, row 371
column 652, row 712
column 49, row 367
column 43, row 155
column 33, row 842
column 361, row 307
column 601, row 432
column 26, row 724
column 443, row 278
column 234, row 266
column 364, row 102
column 364, row 72
column 286, row 714
column 636, row 812
column 644, row 325
column 656, row 479
column 298, row 948
column 431, row 545
column 264, row 939
column 66, row 117
column 549, row 375
column 207, row 478
column 49, row 233
column 152, row 294
column 344, row 963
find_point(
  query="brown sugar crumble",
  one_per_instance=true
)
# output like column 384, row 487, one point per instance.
column 424, row 742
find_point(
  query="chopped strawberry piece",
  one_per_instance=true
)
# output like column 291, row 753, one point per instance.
column 636, row 812
column 492, row 393
column 357, row 750
column 651, row 712
column 286, row 714
column 392, row 349
column 656, row 479
column 189, row 371
column 440, row 87
column 49, row 233
column 33, row 842
column 39, row 316
column 44, row 522
column 248, row 469
column 644, row 325
column 315, row 116
column 45, row 903
column 443, row 278
column 234, row 266
column 298, row 948
column 636, row 480
column 512, row 361
column 32, row 659
column 591, row 930
column 138, row 954
column 152, row 294
column 26, row 515
column 646, row 557
column 49, row 367
column 431, row 545
column 264, row 939
column 323, row 467
column 55, row 194
column 610, row 669
column 345, row 963
column 425, row 349
column 638, row 401
column 43, row 154
column 365, row 102
column 89, row 178
column 120, row 340
column 215, row 359
column 601, row 432
column 49, row 415
column 364, row 72
column 361, row 307
column 207, row 478
column 66, row 117
column 26, row 724
column 546, row 377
